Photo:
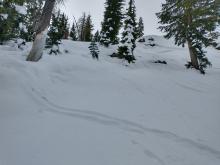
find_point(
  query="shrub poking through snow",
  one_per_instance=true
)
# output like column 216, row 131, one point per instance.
column 94, row 50
column 160, row 62
column 142, row 39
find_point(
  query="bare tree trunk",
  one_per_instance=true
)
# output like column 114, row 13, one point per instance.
column 41, row 31
column 193, row 56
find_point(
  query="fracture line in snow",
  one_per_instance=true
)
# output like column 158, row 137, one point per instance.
column 122, row 124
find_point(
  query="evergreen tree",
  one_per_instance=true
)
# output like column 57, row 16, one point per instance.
column 88, row 29
column 11, row 19
column 112, row 22
column 34, row 9
column 94, row 50
column 5, row 26
column 140, row 28
column 73, row 33
column 54, row 35
column 192, row 22
column 97, row 36
column 81, row 27
column 63, row 26
column 58, row 30
column 127, row 46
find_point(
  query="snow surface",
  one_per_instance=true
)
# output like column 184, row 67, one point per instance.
column 4, row 16
column 70, row 109
column 21, row 9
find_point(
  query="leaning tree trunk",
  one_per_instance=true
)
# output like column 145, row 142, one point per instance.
column 41, row 31
column 193, row 56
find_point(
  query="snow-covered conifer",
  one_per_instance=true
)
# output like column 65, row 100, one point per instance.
column 140, row 28
column 127, row 46
column 54, row 37
column 112, row 22
column 34, row 9
column 58, row 31
column 11, row 19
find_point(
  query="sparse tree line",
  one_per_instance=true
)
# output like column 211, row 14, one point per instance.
column 189, row 22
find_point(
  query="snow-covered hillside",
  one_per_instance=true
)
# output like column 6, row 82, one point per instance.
column 70, row 109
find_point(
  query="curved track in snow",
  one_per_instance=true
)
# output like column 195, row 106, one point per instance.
column 125, row 125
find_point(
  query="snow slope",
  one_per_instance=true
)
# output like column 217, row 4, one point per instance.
column 71, row 109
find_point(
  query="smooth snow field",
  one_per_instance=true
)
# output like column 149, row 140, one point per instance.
column 72, row 110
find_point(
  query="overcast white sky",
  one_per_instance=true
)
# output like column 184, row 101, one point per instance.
column 145, row 9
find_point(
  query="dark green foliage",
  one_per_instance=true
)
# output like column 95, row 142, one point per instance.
column 124, row 53
column 140, row 28
column 193, row 22
column 81, row 27
column 64, row 26
column 128, row 44
column 88, row 29
column 97, row 36
column 34, row 9
column 112, row 22
column 130, row 25
column 57, row 32
column 10, row 19
column 54, row 36
column 18, row 25
column 85, row 28
column 94, row 50
column 73, row 33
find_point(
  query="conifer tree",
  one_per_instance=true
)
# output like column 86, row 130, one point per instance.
column 34, row 9
column 81, row 27
column 63, row 26
column 192, row 22
column 5, row 21
column 127, row 46
column 58, row 30
column 112, row 22
column 11, row 19
column 54, row 34
column 88, row 29
column 97, row 36
column 94, row 50
column 73, row 33
column 140, row 28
